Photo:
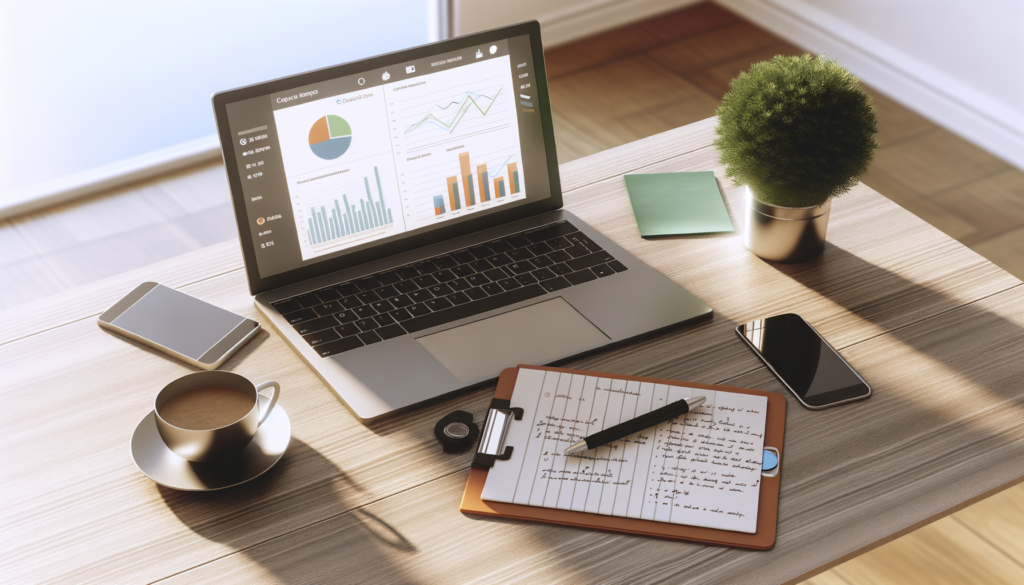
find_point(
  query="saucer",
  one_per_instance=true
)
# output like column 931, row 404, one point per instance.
column 159, row 463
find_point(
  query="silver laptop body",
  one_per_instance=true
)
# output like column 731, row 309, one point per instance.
column 393, row 313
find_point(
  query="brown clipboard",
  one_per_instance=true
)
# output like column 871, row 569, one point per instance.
column 767, row 507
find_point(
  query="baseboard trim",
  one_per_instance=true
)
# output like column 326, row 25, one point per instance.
column 986, row 122
column 567, row 25
column 111, row 176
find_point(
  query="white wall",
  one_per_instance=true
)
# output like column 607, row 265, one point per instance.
column 958, row 62
column 976, row 42
column 561, row 21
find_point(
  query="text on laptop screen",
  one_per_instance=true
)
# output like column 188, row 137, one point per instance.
column 338, row 166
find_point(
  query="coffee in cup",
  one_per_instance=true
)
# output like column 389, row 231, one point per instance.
column 206, row 408
column 212, row 415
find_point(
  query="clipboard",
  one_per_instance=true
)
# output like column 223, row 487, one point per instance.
column 768, row 502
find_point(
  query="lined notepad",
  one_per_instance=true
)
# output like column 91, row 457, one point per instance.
column 700, row 469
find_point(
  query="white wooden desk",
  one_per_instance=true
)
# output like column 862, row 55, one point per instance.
column 937, row 330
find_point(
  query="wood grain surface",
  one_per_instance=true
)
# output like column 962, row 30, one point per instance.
column 937, row 330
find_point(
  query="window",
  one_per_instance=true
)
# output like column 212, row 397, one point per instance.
column 94, row 89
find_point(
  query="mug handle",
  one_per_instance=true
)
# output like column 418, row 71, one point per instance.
column 273, row 399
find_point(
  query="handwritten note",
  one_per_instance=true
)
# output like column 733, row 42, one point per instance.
column 700, row 469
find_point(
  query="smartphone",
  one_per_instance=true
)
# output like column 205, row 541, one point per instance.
column 814, row 372
column 180, row 325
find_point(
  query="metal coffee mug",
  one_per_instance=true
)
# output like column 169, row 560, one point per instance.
column 213, row 444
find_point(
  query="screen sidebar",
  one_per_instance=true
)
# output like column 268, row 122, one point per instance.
column 341, row 165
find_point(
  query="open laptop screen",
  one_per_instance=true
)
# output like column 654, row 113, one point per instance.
column 330, row 168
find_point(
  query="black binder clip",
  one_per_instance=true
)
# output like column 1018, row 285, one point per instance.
column 492, row 440
column 456, row 431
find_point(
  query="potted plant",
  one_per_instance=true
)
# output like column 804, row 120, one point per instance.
column 796, row 131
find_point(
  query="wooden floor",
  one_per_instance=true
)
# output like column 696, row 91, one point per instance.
column 607, row 90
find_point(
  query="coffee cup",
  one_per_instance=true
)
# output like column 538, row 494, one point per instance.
column 209, row 399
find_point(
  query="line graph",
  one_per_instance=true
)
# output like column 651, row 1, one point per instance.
column 469, row 99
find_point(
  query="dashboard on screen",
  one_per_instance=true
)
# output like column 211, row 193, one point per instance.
column 334, row 167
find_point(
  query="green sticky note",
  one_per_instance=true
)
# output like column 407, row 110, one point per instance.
column 669, row 204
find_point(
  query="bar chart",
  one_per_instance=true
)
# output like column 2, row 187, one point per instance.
column 465, row 189
column 347, row 218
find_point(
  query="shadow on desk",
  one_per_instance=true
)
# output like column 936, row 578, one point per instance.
column 263, row 507
column 851, row 282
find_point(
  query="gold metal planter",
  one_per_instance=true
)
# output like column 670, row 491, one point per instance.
column 785, row 234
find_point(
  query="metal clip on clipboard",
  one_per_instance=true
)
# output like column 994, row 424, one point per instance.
column 492, row 440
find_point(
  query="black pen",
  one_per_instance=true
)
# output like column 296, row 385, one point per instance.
column 636, row 425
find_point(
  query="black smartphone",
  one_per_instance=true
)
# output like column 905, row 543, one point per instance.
column 814, row 372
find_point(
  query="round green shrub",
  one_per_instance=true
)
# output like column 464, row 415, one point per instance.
column 796, row 130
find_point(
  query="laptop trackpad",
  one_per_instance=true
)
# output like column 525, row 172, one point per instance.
column 537, row 334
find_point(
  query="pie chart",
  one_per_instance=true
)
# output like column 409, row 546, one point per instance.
column 330, row 137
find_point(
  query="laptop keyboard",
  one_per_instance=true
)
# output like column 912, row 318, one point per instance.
column 446, row 288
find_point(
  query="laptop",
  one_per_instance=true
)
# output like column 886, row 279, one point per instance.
column 402, row 226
